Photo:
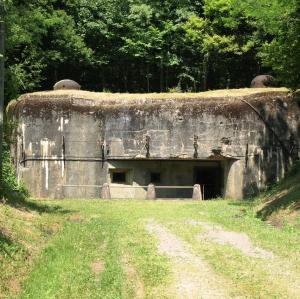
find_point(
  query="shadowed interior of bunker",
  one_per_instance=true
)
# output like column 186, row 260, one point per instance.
column 172, row 178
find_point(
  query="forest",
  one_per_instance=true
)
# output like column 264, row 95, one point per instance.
column 149, row 45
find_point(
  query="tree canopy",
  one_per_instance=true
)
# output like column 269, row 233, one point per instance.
column 150, row 45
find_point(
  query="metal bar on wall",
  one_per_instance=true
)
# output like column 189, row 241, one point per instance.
column 112, row 186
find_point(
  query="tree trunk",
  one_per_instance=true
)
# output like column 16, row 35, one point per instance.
column 205, row 70
column 148, row 78
column 161, row 76
column 1, row 91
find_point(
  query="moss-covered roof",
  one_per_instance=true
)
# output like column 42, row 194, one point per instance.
column 81, row 94
column 223, row 102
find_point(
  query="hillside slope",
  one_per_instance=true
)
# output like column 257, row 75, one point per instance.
column 25, row 228
column 281, row 204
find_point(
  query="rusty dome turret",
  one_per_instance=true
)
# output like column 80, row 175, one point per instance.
column 66, row 84
column 263, row 81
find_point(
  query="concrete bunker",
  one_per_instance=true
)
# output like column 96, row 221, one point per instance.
column 233, row 143
column 171, row 178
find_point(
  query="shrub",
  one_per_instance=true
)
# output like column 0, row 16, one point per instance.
column 10, row 188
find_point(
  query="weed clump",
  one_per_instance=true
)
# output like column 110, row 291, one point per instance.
column 11, row 190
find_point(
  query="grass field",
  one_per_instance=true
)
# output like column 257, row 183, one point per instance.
column 147, row 249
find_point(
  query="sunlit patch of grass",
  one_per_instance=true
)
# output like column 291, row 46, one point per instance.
column 65, row 246
column 108, row 235
column 24, row 232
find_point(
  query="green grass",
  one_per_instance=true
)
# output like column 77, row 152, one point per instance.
column 109, row 230
column 102, row 233
column 67, row 262
column 69, row 236
column 25, row 229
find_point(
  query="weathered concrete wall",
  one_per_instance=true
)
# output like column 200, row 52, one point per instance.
column 64, row 136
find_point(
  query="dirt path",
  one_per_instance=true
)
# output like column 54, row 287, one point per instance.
column 193, row 277
column 239, row 241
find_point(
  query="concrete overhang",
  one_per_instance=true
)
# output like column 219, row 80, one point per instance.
column 200, row 159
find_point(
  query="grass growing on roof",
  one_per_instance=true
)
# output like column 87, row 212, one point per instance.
column 102, row 96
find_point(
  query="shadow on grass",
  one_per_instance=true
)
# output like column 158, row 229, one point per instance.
column 281, row 199
column 246, row 203
column 285, row 194
column 19, row 201
column 4, row 241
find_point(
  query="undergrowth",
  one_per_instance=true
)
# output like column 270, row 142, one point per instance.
column 11, row 190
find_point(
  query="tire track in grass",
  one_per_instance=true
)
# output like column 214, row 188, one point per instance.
column 276, row 268
column 193, row 277
column 240, row 241
column 136, row 289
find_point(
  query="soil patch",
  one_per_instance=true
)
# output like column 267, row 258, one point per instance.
column 5, row 232
column 75, row 218
column 239, row 241
column 133, row 278
column 14, row 286
column 97, row 267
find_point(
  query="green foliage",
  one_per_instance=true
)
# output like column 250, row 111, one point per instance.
column 150, row 45
column 10, row 188
column 278, row 28
column 40, row 40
